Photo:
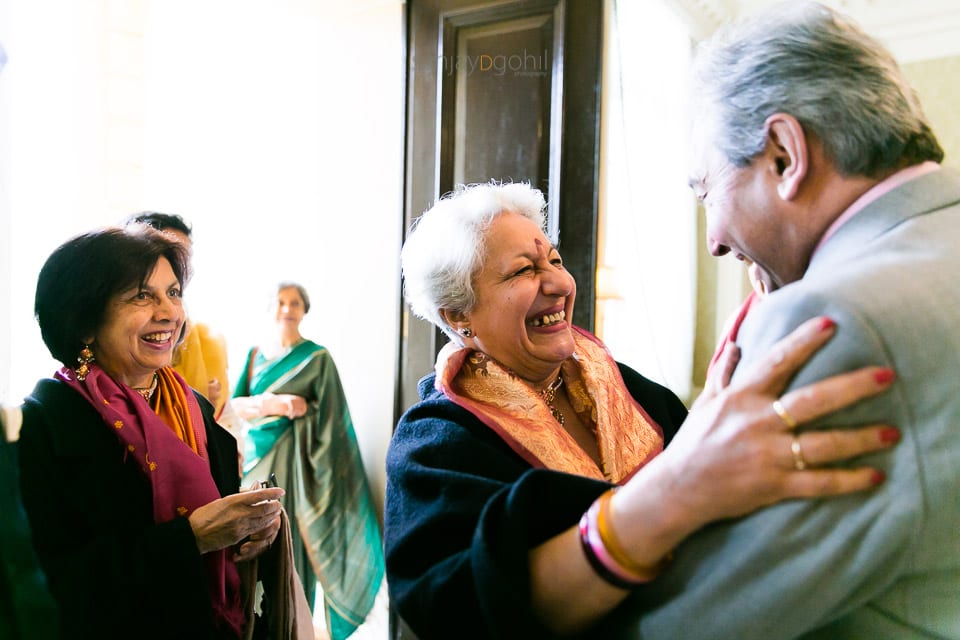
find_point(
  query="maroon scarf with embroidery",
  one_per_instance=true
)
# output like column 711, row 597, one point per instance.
column 179, row 477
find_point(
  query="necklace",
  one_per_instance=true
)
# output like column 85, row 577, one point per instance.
column 147, row 392
column 549, row 395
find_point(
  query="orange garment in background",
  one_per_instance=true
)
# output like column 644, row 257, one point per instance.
column 202, row 357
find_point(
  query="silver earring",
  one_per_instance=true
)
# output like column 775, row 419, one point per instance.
column 465, row 332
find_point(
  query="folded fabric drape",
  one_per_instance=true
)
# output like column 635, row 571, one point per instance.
column 284, row 613
column 316, row 458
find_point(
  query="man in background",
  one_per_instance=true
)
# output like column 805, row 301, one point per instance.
column 202, row 356
column 813, row 159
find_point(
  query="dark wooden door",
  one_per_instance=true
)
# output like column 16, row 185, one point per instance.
column 505, row 90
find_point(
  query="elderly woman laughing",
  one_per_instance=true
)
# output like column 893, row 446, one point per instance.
column 530, row 491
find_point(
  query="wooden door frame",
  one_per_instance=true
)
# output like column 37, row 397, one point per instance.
column 578, row 187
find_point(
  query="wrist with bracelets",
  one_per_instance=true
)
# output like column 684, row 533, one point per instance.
column 604, row 552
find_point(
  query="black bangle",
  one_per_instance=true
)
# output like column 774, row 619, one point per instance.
column 598, row 567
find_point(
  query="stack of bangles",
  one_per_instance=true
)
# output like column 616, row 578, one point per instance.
column 605, row 553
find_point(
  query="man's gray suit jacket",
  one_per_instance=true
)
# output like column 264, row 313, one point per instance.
column 874, row 565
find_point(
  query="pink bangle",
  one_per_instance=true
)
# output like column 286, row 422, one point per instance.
column 598, row 557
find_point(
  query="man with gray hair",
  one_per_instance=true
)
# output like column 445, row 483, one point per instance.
column 813, row 159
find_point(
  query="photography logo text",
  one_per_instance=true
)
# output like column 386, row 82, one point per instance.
column 518, row 64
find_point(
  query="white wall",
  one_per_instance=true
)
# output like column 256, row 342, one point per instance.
column 276, row 128
column 5, row 228
column 53, row 179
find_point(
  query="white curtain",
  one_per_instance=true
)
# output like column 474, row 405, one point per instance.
column 648, row 236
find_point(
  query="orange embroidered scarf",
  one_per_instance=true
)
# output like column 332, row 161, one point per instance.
column 626, row 435
column 172, row 407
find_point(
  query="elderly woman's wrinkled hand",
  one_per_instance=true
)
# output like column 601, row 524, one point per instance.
column 230, row 520
column 737, row 451
column 258, row 541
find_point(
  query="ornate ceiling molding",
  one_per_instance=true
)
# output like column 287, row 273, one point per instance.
column 914, row 31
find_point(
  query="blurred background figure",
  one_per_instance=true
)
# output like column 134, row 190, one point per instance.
column 202, row 356
column 27, row 611
column 298, row 427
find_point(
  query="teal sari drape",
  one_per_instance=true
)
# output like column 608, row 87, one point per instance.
column 316, row 459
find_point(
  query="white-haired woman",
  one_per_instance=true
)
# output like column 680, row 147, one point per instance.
column 502, row 515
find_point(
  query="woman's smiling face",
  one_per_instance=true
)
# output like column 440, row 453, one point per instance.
column 140, row 328
column 290, row 308
column 524, row 301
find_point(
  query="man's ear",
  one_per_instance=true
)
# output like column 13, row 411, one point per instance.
column 787, row 153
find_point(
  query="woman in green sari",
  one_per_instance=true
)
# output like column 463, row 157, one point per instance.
column 299, row 428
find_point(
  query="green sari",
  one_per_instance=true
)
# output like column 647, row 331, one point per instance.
column 336, row 536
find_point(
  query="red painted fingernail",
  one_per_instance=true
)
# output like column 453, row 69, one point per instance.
column 889, row 435
column 884, row 376
column 826, row 324
column 877, row 477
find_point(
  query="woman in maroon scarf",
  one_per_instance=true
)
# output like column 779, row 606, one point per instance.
column 130, row 486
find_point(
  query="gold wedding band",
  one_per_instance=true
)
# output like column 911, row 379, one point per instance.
column 784, row 414
column 798, row 462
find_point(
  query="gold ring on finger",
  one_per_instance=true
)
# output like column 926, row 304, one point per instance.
column 784, row 414
column 798, row 462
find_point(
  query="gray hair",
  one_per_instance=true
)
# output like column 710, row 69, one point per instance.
column 813, row 63
column 288, row 284
column 446, row 246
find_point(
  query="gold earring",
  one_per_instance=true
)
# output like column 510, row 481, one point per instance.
column 85, row 358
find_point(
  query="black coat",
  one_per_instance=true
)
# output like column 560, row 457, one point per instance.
column 463, row 510
column 27, row 611
column 113, row 571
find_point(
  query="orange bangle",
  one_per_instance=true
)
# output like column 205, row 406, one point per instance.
column 615, row 549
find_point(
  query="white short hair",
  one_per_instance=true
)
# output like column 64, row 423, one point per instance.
column 445, row 247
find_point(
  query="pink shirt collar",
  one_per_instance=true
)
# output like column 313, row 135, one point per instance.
column 877, row 190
